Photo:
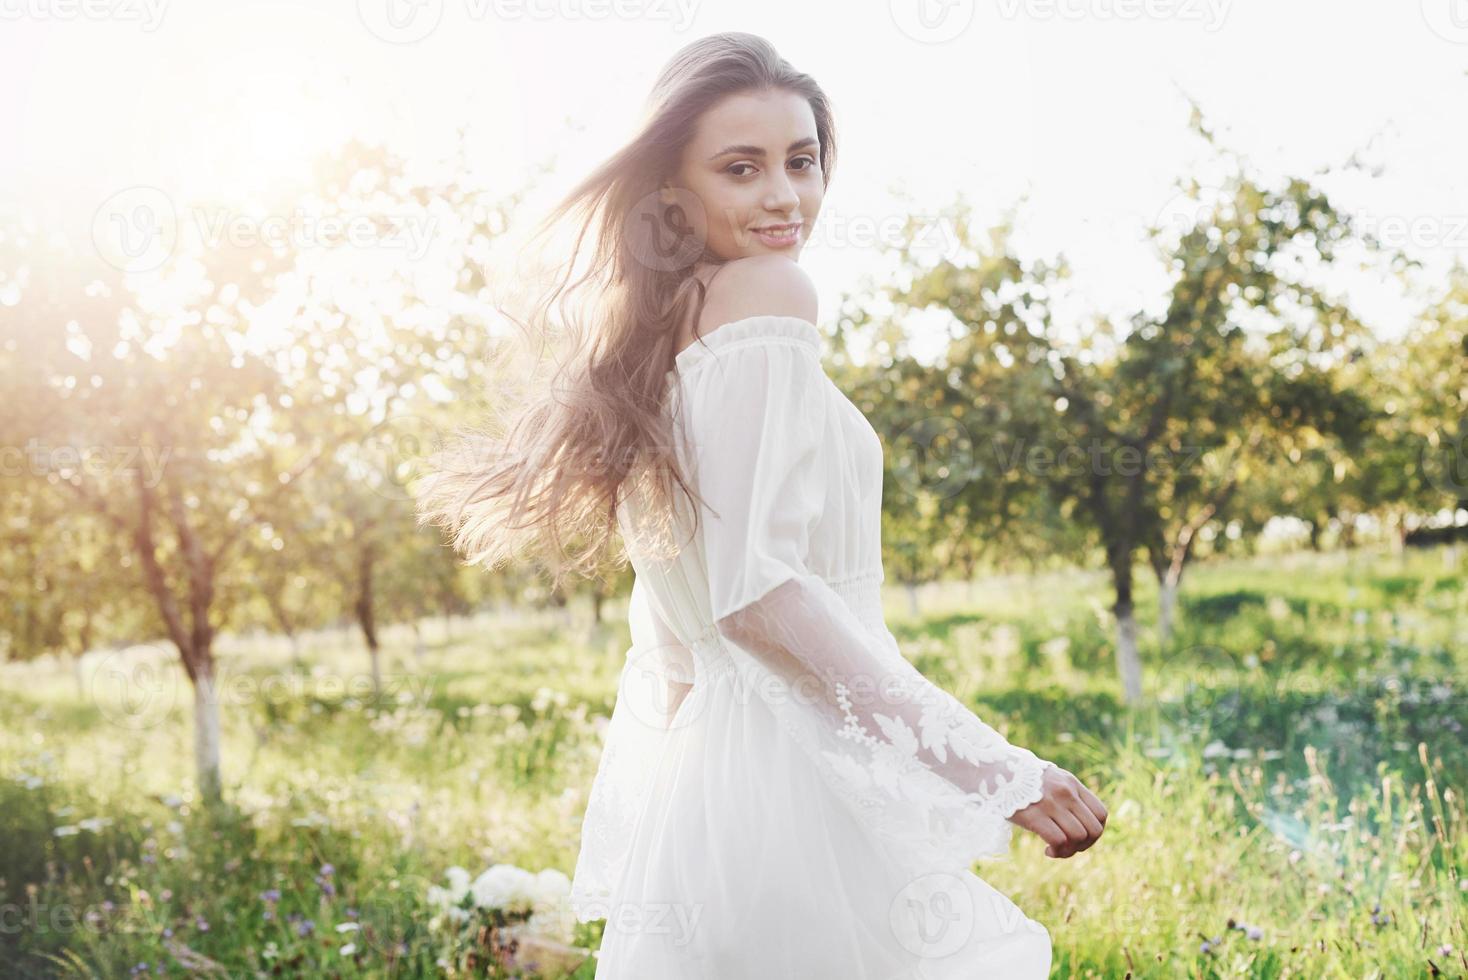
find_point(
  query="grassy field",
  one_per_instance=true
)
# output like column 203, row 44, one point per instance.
column 1290, row 805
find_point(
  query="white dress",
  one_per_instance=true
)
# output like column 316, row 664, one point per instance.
column 814, row 806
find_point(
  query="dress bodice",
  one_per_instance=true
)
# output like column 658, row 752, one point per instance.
column 844, row 542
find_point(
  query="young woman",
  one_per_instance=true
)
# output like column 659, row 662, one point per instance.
column 780, row 793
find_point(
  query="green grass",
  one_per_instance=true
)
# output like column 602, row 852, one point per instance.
column 1299, row 769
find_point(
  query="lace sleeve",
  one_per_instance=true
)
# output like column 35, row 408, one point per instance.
column 933, row 778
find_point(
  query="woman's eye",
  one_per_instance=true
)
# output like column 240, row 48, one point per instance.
column 809, row 161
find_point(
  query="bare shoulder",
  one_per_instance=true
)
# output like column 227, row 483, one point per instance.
column 758, row 285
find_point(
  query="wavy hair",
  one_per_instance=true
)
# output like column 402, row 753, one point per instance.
column 544, row 479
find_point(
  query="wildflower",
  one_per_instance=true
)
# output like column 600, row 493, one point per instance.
column 505, row 886
column 348, row 949
column 305, row 927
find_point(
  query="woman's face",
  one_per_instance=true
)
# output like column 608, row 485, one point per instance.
column 754, row 164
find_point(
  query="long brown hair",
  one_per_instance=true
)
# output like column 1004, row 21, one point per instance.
column 545, row 482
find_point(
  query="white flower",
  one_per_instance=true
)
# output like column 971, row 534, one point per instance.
column 550, row 887
column 348, row 949
column 505, row 886
column 458, row 883
column 557, row 924
column 348, row 927
column 441, row 898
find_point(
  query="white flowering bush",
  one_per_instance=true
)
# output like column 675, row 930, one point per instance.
column 505, row 908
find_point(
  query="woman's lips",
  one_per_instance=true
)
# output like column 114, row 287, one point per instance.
column 778, row 236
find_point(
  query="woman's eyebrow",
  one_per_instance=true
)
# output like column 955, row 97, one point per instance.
column 755, row 151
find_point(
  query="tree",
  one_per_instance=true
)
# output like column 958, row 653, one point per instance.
column 1144, row 431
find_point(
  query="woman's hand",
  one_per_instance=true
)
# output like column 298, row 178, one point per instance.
column 1068, row 816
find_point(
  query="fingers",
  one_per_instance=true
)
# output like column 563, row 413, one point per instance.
column 1094, row 804
column 1047, row 830
column 1069, row 818
column 1075, row 831
column 1079, row 814
column 1091, row 824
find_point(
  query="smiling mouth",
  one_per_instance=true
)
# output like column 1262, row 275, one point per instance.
column 778, row 234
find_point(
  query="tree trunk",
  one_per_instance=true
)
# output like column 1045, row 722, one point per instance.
column 206, row 735
column 364, row 611
column 1166, row 602
column 912, row 598
column 1128, row 659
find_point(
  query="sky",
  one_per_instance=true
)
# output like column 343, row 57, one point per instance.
column 1076, row 110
